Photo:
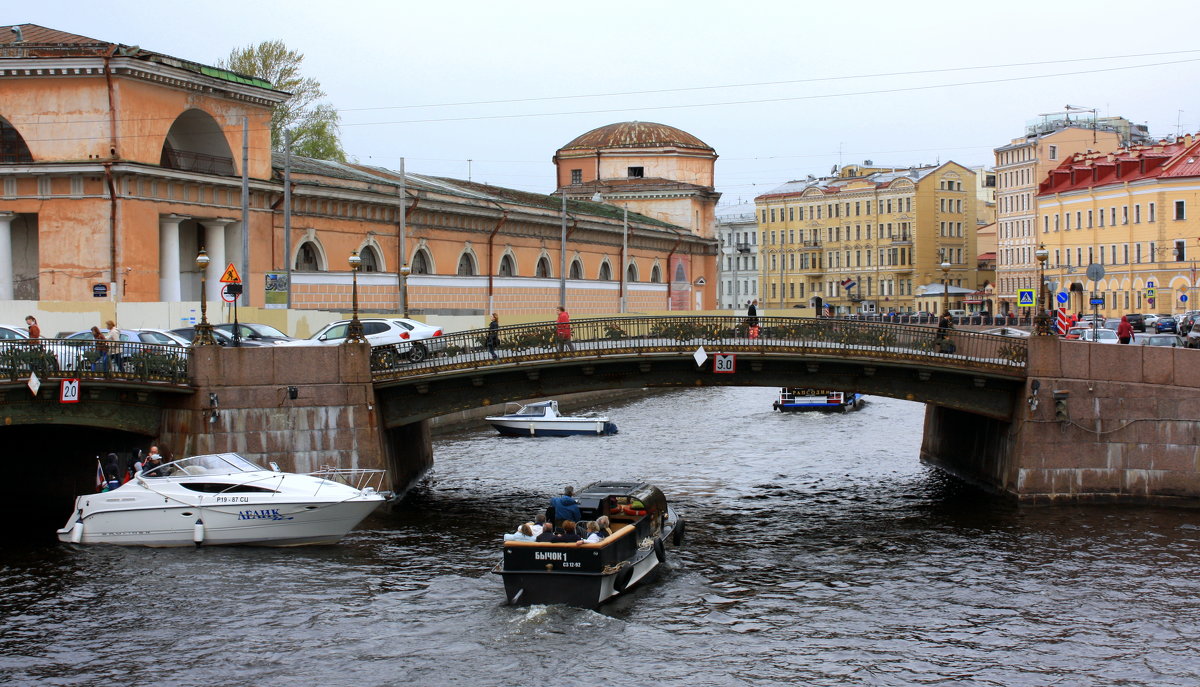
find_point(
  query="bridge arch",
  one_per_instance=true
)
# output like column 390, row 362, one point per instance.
column 13, row 149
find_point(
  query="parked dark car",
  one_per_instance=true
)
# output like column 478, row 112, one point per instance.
column 222, row 338
column 1166, row 324
column 255, row 332
column 1136, row 321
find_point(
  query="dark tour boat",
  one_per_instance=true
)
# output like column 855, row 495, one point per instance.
column 587, row 575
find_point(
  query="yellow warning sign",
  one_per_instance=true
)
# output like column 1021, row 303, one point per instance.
column 231, row 275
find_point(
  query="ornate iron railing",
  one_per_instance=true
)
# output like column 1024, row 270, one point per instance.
column 652, row 335
column 88, row 359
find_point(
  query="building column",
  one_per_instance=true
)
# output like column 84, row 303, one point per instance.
column 6, row 264
column 214, row 244
column 169, row 279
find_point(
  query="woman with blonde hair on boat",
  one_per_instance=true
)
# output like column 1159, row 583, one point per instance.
column 524, row 534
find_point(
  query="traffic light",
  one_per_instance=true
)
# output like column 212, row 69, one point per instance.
column 1060, row 405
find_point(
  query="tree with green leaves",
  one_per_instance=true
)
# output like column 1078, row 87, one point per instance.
column 312, row 123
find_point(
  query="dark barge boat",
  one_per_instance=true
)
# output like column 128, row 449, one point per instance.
column 793, row 399
column 587, row 575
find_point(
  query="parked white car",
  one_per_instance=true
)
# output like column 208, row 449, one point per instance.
column 8, row 331
column 416, row 339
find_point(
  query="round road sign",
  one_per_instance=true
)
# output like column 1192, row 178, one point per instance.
column 226, row 296
column 1063, row 297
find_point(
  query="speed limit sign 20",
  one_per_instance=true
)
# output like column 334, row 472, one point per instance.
column 724, row 362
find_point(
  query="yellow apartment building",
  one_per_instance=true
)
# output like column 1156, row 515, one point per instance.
column 1021, row 166
column 1135, row 212
column 871, row 239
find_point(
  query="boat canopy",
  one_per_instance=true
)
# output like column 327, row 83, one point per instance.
column 605, row 498
column 538, row 409
column 211, row 464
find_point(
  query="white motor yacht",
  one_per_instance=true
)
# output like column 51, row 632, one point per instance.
column 542, row 419
column 222, row 498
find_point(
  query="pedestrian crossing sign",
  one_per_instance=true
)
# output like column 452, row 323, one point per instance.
column 1024, row 298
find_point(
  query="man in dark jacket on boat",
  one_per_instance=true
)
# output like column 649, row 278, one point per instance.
column 565, row 506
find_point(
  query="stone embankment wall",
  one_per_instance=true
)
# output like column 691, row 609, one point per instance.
column 331, row 421
column 1125, row 427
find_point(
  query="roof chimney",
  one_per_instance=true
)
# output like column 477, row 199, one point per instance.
column 20, row 37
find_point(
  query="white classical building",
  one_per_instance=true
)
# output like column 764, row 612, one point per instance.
column 737, row 233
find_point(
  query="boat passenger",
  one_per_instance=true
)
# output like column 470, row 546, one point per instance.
column 568, row 534
column 603, row 526
column 524, row 534
column 539, row 524
column 565, row 506
column 112, row 483
column 547, row 534
column 593, row 534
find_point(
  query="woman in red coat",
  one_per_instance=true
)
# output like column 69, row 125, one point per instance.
column 1124, row 331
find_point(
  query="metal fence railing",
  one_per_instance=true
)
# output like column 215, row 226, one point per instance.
column 89, row 359
column 647, row 335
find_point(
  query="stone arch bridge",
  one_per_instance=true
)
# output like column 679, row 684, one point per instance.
column 1032, row 417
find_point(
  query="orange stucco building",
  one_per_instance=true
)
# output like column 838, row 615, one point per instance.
column 117, row 165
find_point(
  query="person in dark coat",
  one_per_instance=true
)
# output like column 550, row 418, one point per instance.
column 752, row 314
column 568, row 534
column 493, row 335
column 565, row 506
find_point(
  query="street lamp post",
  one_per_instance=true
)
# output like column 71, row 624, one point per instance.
column 204, row 331
column 945, row 287
column 405, row 270
column 354, row 330
column 1041, row 324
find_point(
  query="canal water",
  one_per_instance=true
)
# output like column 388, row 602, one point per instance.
column 819, row 552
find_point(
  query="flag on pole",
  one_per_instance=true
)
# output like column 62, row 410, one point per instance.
column 849, row 283
column 99, row 475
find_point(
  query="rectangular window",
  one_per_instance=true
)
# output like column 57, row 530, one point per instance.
column 1078, row 220
column 1180, row 209
column 1124, row 214
column 1137, row 252
column 576, row 176
column 772, row 217
column 772, row 238
column 1089, row 219
column 1112, row 217
column 636, row 172
column 791, row 214
column 1137, row 214
column 1179, row 250
column 1053, row 152
column 1045, row 222
column 1150, row 212
column 764, row 219
column 802, row 214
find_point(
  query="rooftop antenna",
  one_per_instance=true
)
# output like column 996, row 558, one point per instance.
column 20, row 37
column 469, row 170
column 1178, row 123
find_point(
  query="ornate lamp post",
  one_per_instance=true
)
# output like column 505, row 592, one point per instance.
column 354, row 331
column 204, row 331
column 1041, row 324
column 405, row 270
column 945, row 287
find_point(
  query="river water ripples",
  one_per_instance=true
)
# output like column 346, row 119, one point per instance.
column 819, row 551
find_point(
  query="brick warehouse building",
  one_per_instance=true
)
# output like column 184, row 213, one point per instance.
column 118, row 164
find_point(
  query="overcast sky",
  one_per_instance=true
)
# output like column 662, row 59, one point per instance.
column 780, row 89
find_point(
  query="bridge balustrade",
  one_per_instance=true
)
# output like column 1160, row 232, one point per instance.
column 717, row 334
column 98, row 360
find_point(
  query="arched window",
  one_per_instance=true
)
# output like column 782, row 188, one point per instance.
column 197, row 144
column 680, row 274
column 420, row 263
column 631, row 274
column 370, row 259
column 576, row 269
column 656, row 275
column 13, row 149
column 507, row 267
column 605, row 272
column 308, row 258
column 466, row 265
column 543, row 268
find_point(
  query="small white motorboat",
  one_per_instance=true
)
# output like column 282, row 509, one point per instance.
column 222, row 498
column 542, row 419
